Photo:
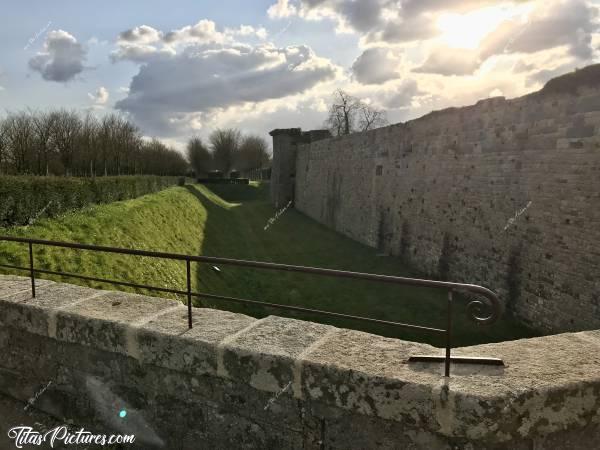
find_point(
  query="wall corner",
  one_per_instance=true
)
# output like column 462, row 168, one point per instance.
column 283, row 173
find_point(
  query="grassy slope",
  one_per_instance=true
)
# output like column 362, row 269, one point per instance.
column 170, row 220
column 229, row 221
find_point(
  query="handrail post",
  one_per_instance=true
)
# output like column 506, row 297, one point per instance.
column 31, row 270
column 189, row 292
column 448, row 335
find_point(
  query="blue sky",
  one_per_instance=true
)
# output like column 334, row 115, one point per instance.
column 186, row 67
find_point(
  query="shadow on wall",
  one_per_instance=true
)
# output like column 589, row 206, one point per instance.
column 514, row 277
column 384, row 232
column 445, row 258
column 333, row 199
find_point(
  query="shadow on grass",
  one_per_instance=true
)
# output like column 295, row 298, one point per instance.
column 234, row 228
column 237, row 193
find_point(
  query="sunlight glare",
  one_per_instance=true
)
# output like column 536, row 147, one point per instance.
column 468, row 30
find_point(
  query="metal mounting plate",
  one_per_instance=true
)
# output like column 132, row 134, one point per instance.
column 457, row 360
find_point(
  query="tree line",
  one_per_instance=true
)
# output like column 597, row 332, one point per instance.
column 227, row 150
column 65, row 142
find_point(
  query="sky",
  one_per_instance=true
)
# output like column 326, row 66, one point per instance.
column 185, row 68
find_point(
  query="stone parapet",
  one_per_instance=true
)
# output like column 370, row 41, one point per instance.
column 234, row 381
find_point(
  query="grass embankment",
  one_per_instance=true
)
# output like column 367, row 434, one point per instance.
column 170, row 220
column 229, row 221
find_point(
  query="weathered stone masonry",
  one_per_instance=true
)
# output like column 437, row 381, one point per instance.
column 284, row 161
column 505, row 193
column 213, row 387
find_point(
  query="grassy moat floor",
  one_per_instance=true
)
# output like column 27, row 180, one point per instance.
column 229, row 221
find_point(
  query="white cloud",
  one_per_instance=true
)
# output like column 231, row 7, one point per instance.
column 281, row 9
column 61, row 59
column 196, row 73
column 448, row 61
column 141, row 35
column 411, row 58
column 531, row 25
column 403, row 29
column 569, row 23
column 361, row 15
column 100, row 97
column 471, row 45
column 351, row 15
column 412, row 7
column 247, row 31
column 204, row 32
column 201, row 79
column 376, row 65
column 305, row 110
column 142, row 44
column 402, row 95
column 140, row 53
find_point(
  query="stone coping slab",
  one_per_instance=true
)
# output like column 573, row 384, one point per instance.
column 548, row 384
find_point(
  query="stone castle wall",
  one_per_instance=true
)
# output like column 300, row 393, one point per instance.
column 283, row 171
column 505, row 193
column 235, row 382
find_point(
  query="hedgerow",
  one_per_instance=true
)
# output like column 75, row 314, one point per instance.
column 24, row 199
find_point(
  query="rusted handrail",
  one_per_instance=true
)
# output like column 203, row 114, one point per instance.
column 474, row 307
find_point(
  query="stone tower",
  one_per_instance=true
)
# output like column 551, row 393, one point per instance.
column 283, row 171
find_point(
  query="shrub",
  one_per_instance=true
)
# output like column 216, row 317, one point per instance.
column 23, row 199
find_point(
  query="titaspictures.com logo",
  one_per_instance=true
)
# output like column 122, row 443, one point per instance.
column 61, row 436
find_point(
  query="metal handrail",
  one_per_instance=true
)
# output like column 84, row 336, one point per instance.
column 474, row 307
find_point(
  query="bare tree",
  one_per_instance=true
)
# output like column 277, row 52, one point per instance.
column 161, row 160
column 133, row 144
column 66, row 130
column 62, row 142
column 87, row 145
column 19, row 134
column 224, row 145
column 43, row 124
column 370, row 118
column 126, row 134
column 253, row 153
column 198, row 156
column 105, row 139
column 342, row 113
column 3, row 143
column 348, row 114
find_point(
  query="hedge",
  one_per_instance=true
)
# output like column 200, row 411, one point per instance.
column 23, row 199
column 223, row 180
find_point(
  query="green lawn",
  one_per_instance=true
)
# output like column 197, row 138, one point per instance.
column 229, row 221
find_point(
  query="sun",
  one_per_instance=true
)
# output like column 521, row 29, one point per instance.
column 468, row 30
